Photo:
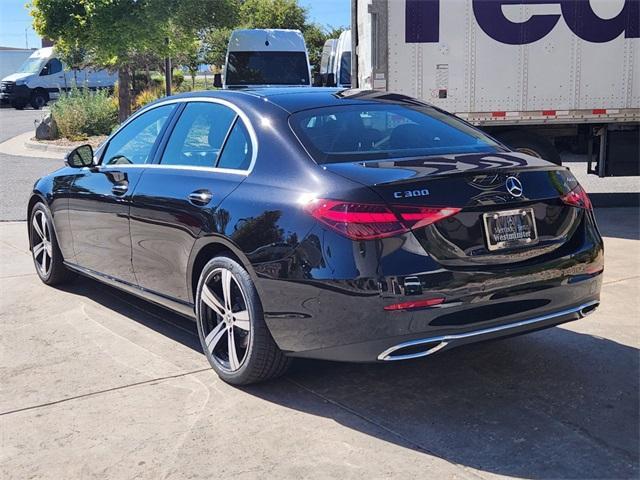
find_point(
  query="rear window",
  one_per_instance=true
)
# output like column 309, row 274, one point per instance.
column 375, row 132
column 267, row 68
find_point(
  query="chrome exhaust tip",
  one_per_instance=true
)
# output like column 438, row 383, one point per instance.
column 588, row 309
column 416, row 349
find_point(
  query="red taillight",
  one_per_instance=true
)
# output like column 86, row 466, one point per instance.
column 416, row 217
column 366, row 221
column 430, row 302
column 577, row 198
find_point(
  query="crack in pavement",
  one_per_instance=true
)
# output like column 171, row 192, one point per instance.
column 107, row 390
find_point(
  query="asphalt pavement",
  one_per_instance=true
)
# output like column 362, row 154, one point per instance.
column 18, row 173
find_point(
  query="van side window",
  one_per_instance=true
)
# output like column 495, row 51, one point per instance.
column 53, row 66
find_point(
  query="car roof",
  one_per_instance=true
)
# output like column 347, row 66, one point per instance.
column 294, row 99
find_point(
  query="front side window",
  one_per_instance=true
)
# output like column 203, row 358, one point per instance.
column 53, row 66
column 267, row 68
column 134, row 144
column 382, row 131
column 199, row 135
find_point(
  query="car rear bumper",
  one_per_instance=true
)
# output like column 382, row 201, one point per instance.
column 349, row 319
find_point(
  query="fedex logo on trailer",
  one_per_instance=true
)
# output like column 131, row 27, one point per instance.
column 423, row 21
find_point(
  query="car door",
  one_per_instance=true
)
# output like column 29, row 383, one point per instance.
column 207, row 155
column 100, row 196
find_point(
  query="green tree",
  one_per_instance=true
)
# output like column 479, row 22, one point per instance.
column 113, row 33
column 272, row 14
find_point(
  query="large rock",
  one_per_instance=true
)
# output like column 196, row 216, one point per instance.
column 47, row 129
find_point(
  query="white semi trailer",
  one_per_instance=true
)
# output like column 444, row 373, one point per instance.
column 537, row 74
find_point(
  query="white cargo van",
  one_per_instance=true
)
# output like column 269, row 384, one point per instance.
column 533, row 74
column 266, row 57
column 42, row 77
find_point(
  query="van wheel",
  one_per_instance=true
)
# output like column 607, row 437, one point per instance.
column 18, row 104
column 39, row 99
column 531, row 144
column 231, row 326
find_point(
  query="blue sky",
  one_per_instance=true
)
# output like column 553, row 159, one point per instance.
column 15, row 18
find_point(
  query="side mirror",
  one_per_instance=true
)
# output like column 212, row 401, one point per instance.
column 317, row 79
column 331, row 80
column 217, row 80
column 45, row 71
column 79, row 157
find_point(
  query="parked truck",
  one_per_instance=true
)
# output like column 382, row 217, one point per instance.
column 536, row 74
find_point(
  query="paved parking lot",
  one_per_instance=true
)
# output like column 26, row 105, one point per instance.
column 96, row 383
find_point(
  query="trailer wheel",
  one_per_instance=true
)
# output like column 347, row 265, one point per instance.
column 39, row 99
column 531, row 144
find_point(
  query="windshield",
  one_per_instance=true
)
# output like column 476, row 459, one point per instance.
column 267, row 68
column 375, row 132
column 32, row 65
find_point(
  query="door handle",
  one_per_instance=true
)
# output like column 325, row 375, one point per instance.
column 120, row 188
column 200, row 197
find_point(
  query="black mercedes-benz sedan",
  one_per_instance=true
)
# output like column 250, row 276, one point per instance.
column 322, row 223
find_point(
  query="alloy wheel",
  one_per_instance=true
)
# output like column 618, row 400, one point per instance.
column 41, row 243
column 225, row 320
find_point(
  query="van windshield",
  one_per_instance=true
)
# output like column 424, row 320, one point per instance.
column 32, row 65
column 267, row 68
column 354, row 133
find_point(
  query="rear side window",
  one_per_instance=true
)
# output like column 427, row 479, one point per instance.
column 199, row 134
column 381, row 131
column 237, row 151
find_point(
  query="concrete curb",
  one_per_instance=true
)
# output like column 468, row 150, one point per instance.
column 17, row 146
column 33, row 145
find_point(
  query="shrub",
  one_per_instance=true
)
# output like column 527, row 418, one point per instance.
column 144, row 97
column 81, row 113
column 177, row 77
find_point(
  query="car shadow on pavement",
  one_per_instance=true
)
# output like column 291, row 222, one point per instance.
column 552, row 404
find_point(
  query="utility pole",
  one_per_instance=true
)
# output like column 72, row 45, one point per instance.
column 26, row 38
column 167, row 69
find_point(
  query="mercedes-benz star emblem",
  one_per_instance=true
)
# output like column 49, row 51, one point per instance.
column 514, row 187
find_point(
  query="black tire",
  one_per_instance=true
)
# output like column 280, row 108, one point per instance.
column 19, row 104
column 257, row 357
column 54, row 271
column 532, row 144
column 39, row 99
